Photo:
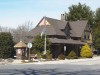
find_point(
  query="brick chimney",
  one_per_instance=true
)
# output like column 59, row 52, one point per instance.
column 63, row 17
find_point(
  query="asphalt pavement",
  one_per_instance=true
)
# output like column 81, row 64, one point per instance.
column 49, row 69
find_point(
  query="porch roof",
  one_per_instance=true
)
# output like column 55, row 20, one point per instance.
column 65, row 41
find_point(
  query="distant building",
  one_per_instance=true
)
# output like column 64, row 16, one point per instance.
column 63, row 33
column 21, row 51
column 69, row 34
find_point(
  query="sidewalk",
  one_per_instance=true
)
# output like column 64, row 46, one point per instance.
column 85, row 61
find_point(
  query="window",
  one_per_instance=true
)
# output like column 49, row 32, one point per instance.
column 84, row 36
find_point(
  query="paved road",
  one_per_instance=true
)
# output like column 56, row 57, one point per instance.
column 59, row 69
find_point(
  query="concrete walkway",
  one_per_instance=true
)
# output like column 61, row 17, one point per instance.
column 85, row 61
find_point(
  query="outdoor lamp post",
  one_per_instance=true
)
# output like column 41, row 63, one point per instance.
column 65, row 51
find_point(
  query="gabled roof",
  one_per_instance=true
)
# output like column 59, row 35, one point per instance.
column 52, row 29
column 61, row 24
column 20, row 45
column 55, row 27
column 77, row 28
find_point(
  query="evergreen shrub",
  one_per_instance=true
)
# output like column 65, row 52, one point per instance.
column 72, row 55
column 39, row 55
column 86, row 51
column 61, row 57
column 49, row 57
column 44, row 56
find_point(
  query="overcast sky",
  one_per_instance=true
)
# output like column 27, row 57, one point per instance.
column 16, row 12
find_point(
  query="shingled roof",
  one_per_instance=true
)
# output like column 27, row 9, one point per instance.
column 77, row 28
column 53, row 29
column 59, row 23
column 20, row 45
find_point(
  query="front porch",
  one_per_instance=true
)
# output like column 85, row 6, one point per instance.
column 58, row 49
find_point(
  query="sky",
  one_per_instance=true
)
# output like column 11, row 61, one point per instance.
column 17, row 12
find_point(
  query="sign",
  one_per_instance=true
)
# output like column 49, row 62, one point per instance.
column 64, row 48
column 19, row 51
column 29, row 45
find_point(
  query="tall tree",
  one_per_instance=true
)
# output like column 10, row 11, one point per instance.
column 96, row 40
column 6, row 45
column 38, row 44
column 80, row 12
column 97, row 17
column 96, row 32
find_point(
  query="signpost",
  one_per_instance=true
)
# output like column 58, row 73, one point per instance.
column 29, row 45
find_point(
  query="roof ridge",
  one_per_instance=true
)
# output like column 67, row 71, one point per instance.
column 55, row 19
column 79, row 21
column 56, row 28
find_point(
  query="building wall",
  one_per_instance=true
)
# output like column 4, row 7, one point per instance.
column 21, row 54
column 56, row 50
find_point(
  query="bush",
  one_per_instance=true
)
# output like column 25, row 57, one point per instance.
column 72, row 55
column 61, row 57
column 10, row 60
column 49, row 57
column 48, row 52
column 1, row 60
column 33, row 51
column 23, row 61
column 38, row 43
column 6, row 45
column 86, row 52
column 44, row 56
column 39, row 55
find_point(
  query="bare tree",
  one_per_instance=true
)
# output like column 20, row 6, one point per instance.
column 4, row 29
column 21, row 32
